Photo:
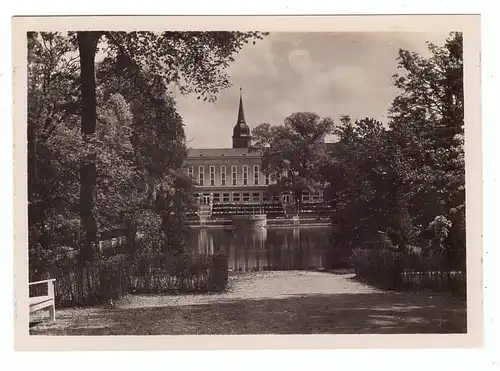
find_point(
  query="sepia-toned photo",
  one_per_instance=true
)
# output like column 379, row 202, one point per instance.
column 252, row 179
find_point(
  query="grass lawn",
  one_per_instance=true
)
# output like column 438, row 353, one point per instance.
column 270, row 303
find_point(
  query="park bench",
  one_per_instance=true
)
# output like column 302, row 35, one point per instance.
column 44, row 301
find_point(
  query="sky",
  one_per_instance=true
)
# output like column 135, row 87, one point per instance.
column 331, row 74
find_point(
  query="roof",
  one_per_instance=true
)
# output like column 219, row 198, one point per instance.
column 221, row 152
column 241, row 129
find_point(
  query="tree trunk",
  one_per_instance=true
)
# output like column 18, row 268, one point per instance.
column 131, row 236
column 87, row 46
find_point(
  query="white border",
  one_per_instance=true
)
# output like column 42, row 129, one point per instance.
column 469, row 25
column 461, row 359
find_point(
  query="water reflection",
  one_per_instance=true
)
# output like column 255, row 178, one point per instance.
column 269, row 248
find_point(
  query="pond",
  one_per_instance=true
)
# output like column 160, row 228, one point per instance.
column 280, row 248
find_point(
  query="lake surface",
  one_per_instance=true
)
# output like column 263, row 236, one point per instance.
column 290, row 248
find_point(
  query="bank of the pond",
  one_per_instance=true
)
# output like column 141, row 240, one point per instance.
column 284, row 302
column 269, row 226
column 271, row 223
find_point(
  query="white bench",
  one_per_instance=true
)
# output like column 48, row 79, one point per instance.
column 45, row 301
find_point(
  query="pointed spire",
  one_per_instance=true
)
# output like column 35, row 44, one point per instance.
column 241, row 131
column 241, row 114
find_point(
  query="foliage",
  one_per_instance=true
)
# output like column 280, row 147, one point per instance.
column 293, row 152
column 405, row 182
column 106, row 280
column 184, row 272
column 56, row 148
column 158, row 140
column 106, row 144
column 192, row 61
column 379, row 267
column 54, row 169
column 90, row 283
column 390, row 269
column 435, row 126
column 51, row 75
column 364, row 189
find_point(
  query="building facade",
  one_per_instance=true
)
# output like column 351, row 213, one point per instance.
column 232, row 175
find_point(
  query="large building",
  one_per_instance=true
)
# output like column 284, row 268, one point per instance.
column 232, row 175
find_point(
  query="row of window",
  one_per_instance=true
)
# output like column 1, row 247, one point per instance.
column 306, row 196
column 257, row 197
column 234, row 175
column 237, row 197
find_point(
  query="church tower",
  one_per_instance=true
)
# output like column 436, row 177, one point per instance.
column 241, row 131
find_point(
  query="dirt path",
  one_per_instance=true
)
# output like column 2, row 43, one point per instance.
column 261, row 285
column 270, row 302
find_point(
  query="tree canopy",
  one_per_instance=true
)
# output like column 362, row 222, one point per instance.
column 294, row 151
column 406, row 181
column 106, row 143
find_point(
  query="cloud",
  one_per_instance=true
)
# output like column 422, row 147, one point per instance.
column 327, row 73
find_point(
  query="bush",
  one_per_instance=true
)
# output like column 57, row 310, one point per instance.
column 392, row 269
column 108, row 279
column 187, row 272
column 82, row 284
column 379, row 266
column 42, row 260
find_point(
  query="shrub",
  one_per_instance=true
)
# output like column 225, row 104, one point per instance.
column 379, row 266
column 110, row 278
column 43, row 260
column 392, row 269
column 186, row 272
column 81, row 284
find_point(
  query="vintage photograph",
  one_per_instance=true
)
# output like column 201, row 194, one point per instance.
column 245, row 182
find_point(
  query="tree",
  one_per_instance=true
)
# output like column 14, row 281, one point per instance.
column 294, row 151
column 158, row 140
column 363, row 185
column 428, row 117
column 52, row 75
column 396, row 185
column 193, row 60
column 56, row 148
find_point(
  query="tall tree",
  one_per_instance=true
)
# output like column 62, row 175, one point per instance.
column 294, row 151
column 194, row 61
column 406, row 182
column 52, row 83
column 56, row 148
column 363, row 184
column 158, row 140
column 87, row 47
column 427, row 122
